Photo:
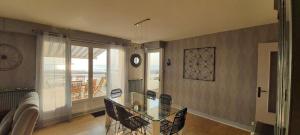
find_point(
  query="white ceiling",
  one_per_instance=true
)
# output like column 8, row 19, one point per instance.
column 170, row 19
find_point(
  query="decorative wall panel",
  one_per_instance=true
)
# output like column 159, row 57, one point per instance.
column 199, row 64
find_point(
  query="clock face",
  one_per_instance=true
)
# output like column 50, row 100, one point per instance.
column 136, row 60
column 10, row 57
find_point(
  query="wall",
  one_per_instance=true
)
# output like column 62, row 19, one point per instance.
column 135, row 73
column 138, row 73
column 232, row 95
column 24, row 75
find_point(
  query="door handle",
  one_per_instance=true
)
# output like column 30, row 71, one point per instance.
column 259, row 91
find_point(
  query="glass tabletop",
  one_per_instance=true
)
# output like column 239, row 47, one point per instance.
column 153, row 109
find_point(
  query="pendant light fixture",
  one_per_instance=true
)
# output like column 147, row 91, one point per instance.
column 140, row 32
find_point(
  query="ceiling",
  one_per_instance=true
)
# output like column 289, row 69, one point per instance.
column 170, row 19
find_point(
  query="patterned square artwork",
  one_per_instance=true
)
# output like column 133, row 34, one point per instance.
column 199, row 64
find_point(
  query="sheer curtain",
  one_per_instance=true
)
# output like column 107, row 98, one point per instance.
column 52, row 78
column 117, row 69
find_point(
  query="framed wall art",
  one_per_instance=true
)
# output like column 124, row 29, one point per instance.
column 199, row 64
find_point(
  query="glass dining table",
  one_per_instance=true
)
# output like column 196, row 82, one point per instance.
column 150, row 109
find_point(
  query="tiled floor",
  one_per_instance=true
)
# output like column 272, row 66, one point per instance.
column 88, row 125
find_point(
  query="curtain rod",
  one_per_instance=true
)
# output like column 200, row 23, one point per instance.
column 91, row 41
column 38, row 31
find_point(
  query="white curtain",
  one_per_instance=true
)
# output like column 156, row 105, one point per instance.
column 53, row 78
column 117, row 69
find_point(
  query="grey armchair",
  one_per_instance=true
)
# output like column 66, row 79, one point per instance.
column 24, row 117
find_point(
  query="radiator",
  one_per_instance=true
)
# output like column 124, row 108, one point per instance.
column 10, row 98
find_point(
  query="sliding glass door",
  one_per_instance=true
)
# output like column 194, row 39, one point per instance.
column 74, row 77
column 99, row 72
column 79, row 72
column 89, row 76
column 95, row 71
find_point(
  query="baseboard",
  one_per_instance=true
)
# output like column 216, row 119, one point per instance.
column 218, row 119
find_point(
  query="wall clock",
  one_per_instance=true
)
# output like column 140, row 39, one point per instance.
column 10, row 57
column 135, row 60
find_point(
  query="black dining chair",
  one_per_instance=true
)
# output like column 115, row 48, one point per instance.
column 151, row 94
column 133, row 123
column 165, row 99
column 110, row 110
column 170, row 128
column 116, row 93
column 165, row 104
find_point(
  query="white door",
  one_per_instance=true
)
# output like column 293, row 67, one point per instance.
column 266, row 83
column 154, row 70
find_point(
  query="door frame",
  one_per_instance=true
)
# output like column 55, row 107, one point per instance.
column 161, row 72
column 263, row 74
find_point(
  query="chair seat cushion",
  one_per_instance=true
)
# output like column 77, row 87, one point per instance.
column 140, row 120
column 131, row 124
column 6, row 123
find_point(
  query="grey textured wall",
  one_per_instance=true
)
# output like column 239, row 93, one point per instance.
column 24, row 75
column 232, row 95
column 135, row 73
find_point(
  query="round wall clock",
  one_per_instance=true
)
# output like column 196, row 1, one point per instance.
column 10, row 57
column 135, row 60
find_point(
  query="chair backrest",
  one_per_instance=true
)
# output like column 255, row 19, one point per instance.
column 151, row 94
column 165, row 99
column 116, row 93
column 123, row 115
column 110, row 110
column 179, row 121
column 101, row 83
